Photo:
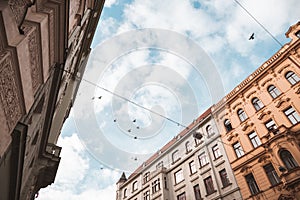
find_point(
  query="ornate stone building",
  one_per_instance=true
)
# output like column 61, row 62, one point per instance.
column 193, row 165
column 44, row 47
column 258, row 145
column 259, row 124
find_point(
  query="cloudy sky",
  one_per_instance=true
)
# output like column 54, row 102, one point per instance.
column 174, row 57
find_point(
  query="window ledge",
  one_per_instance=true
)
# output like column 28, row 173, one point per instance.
column 211, row 193
column 229, row 184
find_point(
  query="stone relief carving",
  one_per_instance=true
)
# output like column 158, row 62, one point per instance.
column 8, row 92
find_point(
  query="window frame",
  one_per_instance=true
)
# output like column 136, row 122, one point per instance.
column 242, row 115
column 238, row 149
column 192, row 166
column 216, row 151
column 224, row 178
column 178, row 176
column 292, row 77
column 209, row 185
column 209, row 130
column 188, row 147
column 252, row 184
column 257, row 103
column 146, row 195
column 197, row 192
column 228, row 126
column 274, row 91
column 293, row 115
column 288, row 159
column 175, row 156
column 254, row 139
column 271, row 174
column 155, row 186
column 203, row 157
column 134, row 186
column 181, row 196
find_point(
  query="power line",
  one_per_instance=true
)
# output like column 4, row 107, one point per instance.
column 274, row 38
column 128, row 100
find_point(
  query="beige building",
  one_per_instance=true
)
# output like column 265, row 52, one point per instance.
column 186, row 168
column 259, row 123
column 44, row 47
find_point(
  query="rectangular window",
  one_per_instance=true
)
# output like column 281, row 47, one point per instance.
column 146, row 177
column 216, row 151
column 203, row 159
column 197, row 192
column 224, row 178
column 271, row 126
column 209, row 186
column 193, row 169
column 254, row 139
column 147, row 195
column 181, row 196
column 272, row 174
column 155, row 186
column 252, row 184
column 238, row 149
column 292, row 115
column 178, row 176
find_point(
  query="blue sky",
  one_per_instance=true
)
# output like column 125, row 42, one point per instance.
column 157, row 78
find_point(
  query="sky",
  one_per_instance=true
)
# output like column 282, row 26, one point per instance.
column 172, row 57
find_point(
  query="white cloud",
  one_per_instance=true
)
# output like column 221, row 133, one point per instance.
column 109, row 3
column 76, row 179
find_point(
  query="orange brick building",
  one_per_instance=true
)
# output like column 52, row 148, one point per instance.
column 259, row 125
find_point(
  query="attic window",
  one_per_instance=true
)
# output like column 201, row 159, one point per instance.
column 298, row 34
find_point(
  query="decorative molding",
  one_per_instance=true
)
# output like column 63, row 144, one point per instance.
column 251, row 93
column 282, row 68
column 8, row 92
column 266, row 81
column 281, row 101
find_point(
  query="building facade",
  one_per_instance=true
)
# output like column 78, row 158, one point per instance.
column 191, row 166
column 259, row 123
column 256, row 142
column 44, row 47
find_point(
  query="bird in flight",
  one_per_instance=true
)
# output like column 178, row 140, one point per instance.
column 251, row 37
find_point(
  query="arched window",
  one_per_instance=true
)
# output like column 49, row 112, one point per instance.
column 125, row 192
column 134, row 186
column 209, row 131
column 288, row 159
column 292, row 77
column 188, row 146
column 242, row 115
column 175, row 156
column 257, row 103
column 227, row 125
column 273, row 91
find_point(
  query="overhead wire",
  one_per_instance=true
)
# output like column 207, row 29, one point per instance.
column 260, row 24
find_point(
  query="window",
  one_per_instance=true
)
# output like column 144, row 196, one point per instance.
column 254, row 139
column 197, row 141
column 252, row 184
column 298, row 34
column 292, row 115
column 288, row 159
column 175, row 156
column 188, row 146
column 227, row 125
column 292, row 77
column 209, row 131
column 178, row 176
column 238, row 149
column 155, row 186
column 257, row 104
column 242, row 115
column 165, row 180
column 160, row 165
column 192, row 167
column 224, row 178
column 203, row 159
column 135, row 186
column 146, row 177
column 147, row 195
column 271, row 173
column 181, row 196
column 273, row 91
column 125, row 192
column 271, row 126
column 197, row 192
column 216, row 151
column 209, row 186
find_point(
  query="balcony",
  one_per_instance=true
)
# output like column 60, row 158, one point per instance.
column 48, row 165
